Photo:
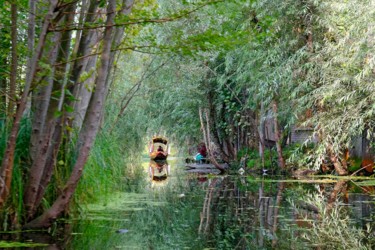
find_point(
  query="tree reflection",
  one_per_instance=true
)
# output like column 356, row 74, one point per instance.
column 246, row 214
column 279, row 197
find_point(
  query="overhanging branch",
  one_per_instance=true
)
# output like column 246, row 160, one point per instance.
column 134, row 21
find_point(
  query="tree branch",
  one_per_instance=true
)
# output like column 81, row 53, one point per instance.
column 135, row 21
column 132, row 93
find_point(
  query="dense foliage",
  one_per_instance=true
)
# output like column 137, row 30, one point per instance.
column 313, row 59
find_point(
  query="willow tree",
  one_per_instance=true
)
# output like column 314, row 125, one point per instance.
column 287, row 59
column 344, row 66
column 188, row 49
column 318, row 57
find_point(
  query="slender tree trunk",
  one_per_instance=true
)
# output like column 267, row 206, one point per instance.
column 87, row 43
column 3, row 91
column 82, row 10
column 206, row 136
column 14, row 61
column 51, row 153
column 229, row 145
column 84, row 91
column 206, row 211
column 261, row 214
column 30, row 49
column 310, row 42
column 216, row 137
column 279, row 197
column 42, row 99
column 126, row 8
column 89, row 129
column 43, row 165
column 30, row 36
column 261, row 134
column 278, row 137
column 7, row 162
column 44, row 134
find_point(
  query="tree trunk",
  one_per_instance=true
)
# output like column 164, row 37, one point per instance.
column 262, row 142
column 230, row 148
column 126, row 8
column 340, row 169
column 51, row 135
column 14, row 61
column 85, row 43
column 339, row 186
column 82, row 10
column 41, row 101
column 278, row 138
column 89, row 129
column 207, row 140
column 7, row 162
column 30, row 47
column 205, row 215
column 279, row 197
column 3, row 90
column 51, row 155
column 30, row 36
column 42, row 136
column 84, row 91
column 84, row 63
column 216, row 137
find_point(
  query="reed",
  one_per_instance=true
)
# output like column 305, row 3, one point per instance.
column 12, row 215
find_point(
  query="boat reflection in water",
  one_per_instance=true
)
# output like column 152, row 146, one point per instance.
column 158, row 171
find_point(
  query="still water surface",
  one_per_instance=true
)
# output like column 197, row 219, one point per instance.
column 180, row 210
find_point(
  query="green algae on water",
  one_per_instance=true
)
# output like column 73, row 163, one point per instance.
column 4, row 244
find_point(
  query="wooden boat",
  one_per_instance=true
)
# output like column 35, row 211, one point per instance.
column 158, row 170
column 158, row 148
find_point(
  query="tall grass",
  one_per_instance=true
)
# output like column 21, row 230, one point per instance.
column 110, row 167
column 100, row 173
column 13, row 211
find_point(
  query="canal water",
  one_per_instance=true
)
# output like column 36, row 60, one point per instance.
column 177, row 209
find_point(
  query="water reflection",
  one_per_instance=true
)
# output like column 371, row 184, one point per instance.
column 197, row 211
column 248, row 213
column 158, row 171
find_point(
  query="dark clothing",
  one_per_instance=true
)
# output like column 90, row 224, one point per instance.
column 203, row 151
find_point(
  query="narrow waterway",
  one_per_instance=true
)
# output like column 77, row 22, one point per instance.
column 181, row 210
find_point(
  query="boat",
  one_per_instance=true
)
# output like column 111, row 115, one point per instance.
column 158, row 170
column 159, row 149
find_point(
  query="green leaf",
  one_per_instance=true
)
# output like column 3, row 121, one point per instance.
column 57, row 114
column 68, row 108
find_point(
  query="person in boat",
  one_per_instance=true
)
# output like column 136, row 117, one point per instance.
column 160, row 149
column 199, row 158
column 203, row 150
column 202, row 153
